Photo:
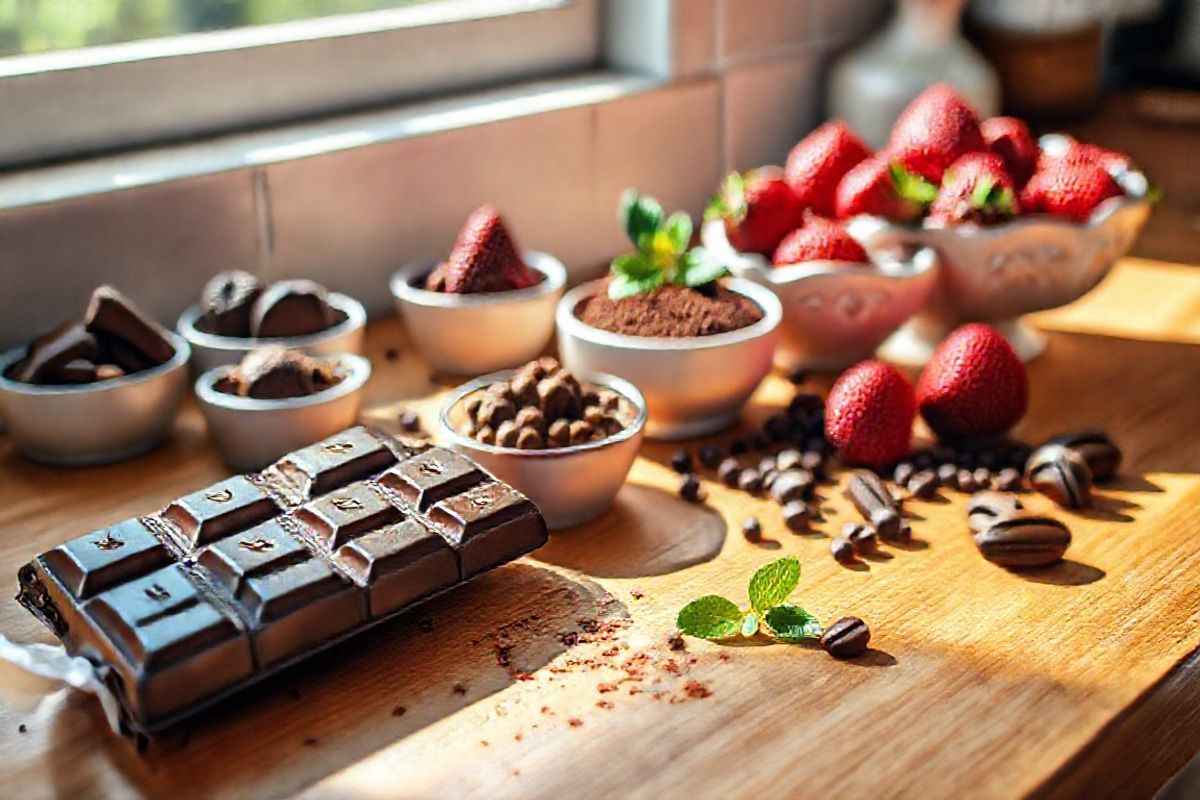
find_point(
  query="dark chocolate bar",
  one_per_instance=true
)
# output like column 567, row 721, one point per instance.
column 233, row 582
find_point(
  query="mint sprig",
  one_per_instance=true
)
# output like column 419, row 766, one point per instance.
column 714, row 617
column 662, row 255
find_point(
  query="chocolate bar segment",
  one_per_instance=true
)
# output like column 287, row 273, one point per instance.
column 432, row 476
column 345, row 513
column 399, row 565
column 262, row 548
column 90, row 564
column 488, row 525
column 351, row 455
column 223, row 508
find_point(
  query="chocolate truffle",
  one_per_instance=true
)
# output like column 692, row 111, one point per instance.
column 292, row 308
column 228, row 300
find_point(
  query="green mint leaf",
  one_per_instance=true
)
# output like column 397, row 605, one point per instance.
column 699, row 267
column 710, row 617
column 623, row 286
column 639, row 215
column 910, row 186
column 633, row 265
column 793, row 624
column 750, row 624
column 773, row 582
column 679, row 229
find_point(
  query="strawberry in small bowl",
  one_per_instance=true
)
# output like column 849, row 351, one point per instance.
column 838, row 305
column 1019, row 224
column 488, row 306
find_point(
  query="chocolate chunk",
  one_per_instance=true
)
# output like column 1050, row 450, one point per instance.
column 846, row 638
column 111, row 314
column 984, row 509
column 348, row 456
column 399, row 565
column 339, row 516
column 1061, row 474
column 873, row 501
column 488, row 525
column 431, row 477
column 276, row 373
column 79, row 370
column 1024, row 541
column 292, row 308
column 52, row 351
column 269, row 546
column 559, row 397
column 227, row 301
column 1097, row 448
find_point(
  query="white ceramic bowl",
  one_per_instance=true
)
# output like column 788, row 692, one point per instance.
column 694, row 385
column 251, row 433
column 570, row 485
column 996, row 274
column 833, row 315
column 210, row 350
column 94, row 423
column 469, row 334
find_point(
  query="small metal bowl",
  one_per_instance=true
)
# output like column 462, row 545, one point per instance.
column 251, row 433
column 469, row 334
column 210, row 350
column 571, row 485
column 694, row 385
column 94, row 423
column 833, row 315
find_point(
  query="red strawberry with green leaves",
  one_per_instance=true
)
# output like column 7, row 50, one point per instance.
column 974, row 387
column 1010, row 138
column 1070, row 189
column 1063, row 148
column 818, row 162
column 758, row 208
column 819, row 239
column 976, row 188
column 869, row 415
column 485, row 258
column 934, row 131
column 881, row 189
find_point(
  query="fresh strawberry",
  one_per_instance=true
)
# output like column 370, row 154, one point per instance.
column 1009, row 138
column 485, row 258
column 869, row 414
column 1068, row 189
column 974, row 386
column 758, row 208
column 934, row 131
column 819, row 239
column 880, row 189
column 975, row 188
column 818, row 162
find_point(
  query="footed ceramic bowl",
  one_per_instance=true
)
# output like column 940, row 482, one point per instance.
column 694, row 385
column 997, row 274
column 833, row 315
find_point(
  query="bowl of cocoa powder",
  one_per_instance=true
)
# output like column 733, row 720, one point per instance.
column 697, row 354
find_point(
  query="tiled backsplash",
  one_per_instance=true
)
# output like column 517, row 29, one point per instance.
column 746, row 83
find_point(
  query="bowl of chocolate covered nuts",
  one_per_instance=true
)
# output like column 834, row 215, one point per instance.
column 566, row 442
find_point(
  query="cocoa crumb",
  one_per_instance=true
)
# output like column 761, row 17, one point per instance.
column 674, row 311
column 589, row 625
column 459, row 689
column 696, row 690
column 604, row 688
column 503, row 652
column 575, row 722
column 637, row 594
column 546, row 710
column 518, row 736
column 21, row 728
column 399, row 711
column 569, row 639
column 675, row 642
column 605, row 704
column 483, row 742
column 724, row 656
column 610, row 652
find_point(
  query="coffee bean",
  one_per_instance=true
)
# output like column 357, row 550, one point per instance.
column 681, row 461
column 846, row 638
column 690, row 488
column 965, row 480
column 947, row 475
column 985, row 509
column 752, row 529
column 796, row 516
column 787, row 459
column 842, row 550
column 1101, row 453
column 410, row 421
column 749, row 481
column 1024, row 541
column 729, row 471
column 710, row 455
column 870, row 496
column 861, row 536
column 795, row 484
column 903, row 471
column 923, row 484
column 982, row 477
column 1061, row 474
column 814, row 462
column 768, row 479
column 1008, row 479
column 766, row 464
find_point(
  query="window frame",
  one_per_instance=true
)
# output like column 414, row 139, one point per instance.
column 116, row 97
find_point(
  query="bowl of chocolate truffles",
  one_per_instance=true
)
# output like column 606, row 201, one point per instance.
column 487, row 306
column 238, row 313
column 96, row 390
column 696, row 343
column 566, row 442
column 277, row 400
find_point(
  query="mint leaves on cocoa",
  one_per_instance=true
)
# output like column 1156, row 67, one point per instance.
column 714, row 617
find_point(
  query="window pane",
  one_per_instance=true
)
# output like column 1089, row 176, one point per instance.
column 39, row 26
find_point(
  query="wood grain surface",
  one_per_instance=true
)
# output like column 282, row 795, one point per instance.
column 554, row 677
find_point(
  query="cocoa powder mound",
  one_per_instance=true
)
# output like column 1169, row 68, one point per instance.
column 674, row 311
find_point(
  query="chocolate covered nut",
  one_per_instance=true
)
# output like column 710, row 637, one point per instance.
column 752, row 529
column 292, row 308
column 559, row 433
column 984, row 509
column 227, row 301
column 749, row 481
column 1061, row 474
column 558, row 398
column 1101, row 453
column 729, row 472
column 51, row 351
column 923, row 484
column 710, row 456
column 1024, row 541
column 581, row 431
column 870, row 496
column 690, row 488
column 531, row 417
column 794, row 484
column 846, row 638
column 528, row 438
column 796, row 516
column 507, row 433
column 842, row 550
column 495, row 410
column 471, row 406
column 110, row 313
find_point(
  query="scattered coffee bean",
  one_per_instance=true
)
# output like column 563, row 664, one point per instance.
column 842, row 550
column 752, row 529
column 871, row 497
column 947, row 475
column 814, row 462
column 410, row 421
column 787, row 459
column 795, row 484
column 766, row 464
column 861, row 536
column 1101, row 453
column 1024, row 541
column 922, row 485
column 690, row 488
column 982, row 478
column 1061, row 474
column 903, row 471
column 796, row 516
column 1008, row 479
column 965, row 480
column 985, row 509
column 846, row 638
column 681, row 461
column 710, row 455
column 749, row 481
column 729, row 471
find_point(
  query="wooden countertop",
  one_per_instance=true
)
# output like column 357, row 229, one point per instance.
column 553, row 677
